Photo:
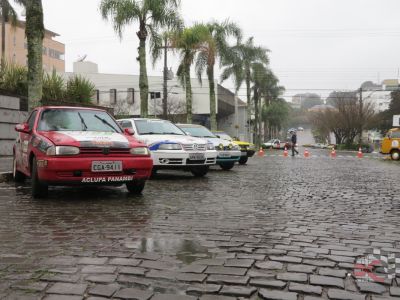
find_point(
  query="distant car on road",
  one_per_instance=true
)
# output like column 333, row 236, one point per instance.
column 78, row 146
column 228, row 152
column 247, row 149
column 171, row 148
column 277, row 144
column 300, row 129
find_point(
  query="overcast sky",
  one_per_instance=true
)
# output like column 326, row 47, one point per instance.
column 314, row 44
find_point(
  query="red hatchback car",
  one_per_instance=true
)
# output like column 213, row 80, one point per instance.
column 76, row 145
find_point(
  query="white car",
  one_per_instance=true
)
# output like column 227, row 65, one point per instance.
column 170, row 147
column 228, row 152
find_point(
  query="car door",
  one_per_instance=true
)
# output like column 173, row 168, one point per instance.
column 24, row 142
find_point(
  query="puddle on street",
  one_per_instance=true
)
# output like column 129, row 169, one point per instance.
column 184, row 250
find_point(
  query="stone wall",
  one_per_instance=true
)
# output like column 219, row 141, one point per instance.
column 13, row 110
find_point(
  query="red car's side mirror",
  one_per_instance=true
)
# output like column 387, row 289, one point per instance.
column 24, row 127
column 129, row 131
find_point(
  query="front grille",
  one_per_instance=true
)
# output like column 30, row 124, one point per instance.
column 195, row 147
column 106, row 152
column 195, row 162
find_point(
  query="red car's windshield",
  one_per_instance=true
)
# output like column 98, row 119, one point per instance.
column 62, row 119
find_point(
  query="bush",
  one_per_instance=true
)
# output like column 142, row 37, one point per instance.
column 79, row 89
column 53, row 86
column 355, row 147
column 14, row 79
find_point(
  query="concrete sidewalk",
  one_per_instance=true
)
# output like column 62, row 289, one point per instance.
column 5, row 168
column 6, row 164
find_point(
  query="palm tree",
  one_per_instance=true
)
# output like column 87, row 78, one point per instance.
column 151, row 15
column 34, row 31
column 188, row 43
column 215, row 47
column 8, row 15
column 238, row 63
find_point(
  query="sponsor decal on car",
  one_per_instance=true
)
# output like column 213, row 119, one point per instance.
column 107, row 179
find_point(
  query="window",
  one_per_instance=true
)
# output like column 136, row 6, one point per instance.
column 131, row 95
column 31, row 120
column 395, row 134
column 125, row 124
column 55, row 54
column 113, row 96
column 44, row 50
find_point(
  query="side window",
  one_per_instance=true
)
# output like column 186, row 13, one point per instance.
column 31, row 120
column 395, row 134
column 126, row 124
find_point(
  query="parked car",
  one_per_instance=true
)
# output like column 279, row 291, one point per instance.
column 228, row 152
column 277, row 144
column 391, row 144
column 247, row 149
column 76, row 145
column 171, row 148
column 300, row 129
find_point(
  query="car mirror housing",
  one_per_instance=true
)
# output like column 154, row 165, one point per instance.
column 129, row 131
column 23, row 127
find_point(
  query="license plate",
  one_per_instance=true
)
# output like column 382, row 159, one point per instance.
column 224, row 154
column 196, row 156
column 106, row 166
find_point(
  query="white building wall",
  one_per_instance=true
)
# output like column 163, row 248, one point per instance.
column 379, row 99
column 121, row 83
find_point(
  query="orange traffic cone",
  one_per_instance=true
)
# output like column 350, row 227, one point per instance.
column 285, row 152
column 306, row 153
column 333, row 153
column 359, row 154
column 261, row 152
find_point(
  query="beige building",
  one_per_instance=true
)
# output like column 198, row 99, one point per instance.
column 16, row 48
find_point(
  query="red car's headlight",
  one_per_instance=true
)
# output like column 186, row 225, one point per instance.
column 62, row 150
column 143, row 151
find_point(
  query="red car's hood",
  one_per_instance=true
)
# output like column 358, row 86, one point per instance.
column 90, row 139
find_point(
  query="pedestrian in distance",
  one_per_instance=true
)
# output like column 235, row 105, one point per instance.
column 294, row 142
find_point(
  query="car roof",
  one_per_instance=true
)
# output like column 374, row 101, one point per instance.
column 70, row 107
column 190, row 125
column 141, row 119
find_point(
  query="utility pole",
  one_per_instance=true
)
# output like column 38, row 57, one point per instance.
column 361, row 115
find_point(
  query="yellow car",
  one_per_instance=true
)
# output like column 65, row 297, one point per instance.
column 391, row 144
column 247, row 149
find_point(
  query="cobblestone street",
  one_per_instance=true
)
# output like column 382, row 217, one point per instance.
column 278, row 228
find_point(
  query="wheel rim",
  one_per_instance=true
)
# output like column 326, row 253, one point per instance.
column 395, row 155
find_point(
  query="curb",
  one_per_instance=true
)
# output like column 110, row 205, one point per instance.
column 5, row 176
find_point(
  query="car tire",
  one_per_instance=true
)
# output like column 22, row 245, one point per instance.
column 153, row 173
column 200, row 171
column 39, row 189
column 17, row 175
column 135, row 187
column 243, row 160
column 395, row 155
column 227, row 165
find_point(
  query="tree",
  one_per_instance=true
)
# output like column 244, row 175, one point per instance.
column 344, row 120
column 238, row 63
column 216, row 46
column 188, row 43
column 34, row 31
column 152, row 15
column 275, row 115
column 8, row 15
column 308, row 100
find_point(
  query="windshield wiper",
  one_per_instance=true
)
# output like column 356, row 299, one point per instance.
column 106, row 122
column 82, row 122
column 172, row 133
column 149, row 133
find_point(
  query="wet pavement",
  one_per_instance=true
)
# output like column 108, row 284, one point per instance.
column 278, row 228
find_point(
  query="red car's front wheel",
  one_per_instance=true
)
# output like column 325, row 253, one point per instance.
column 39, row 189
